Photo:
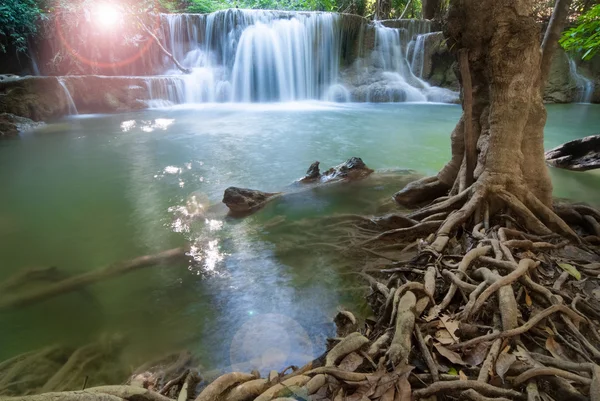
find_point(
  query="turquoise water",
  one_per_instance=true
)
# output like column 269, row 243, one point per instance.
column 91, row 190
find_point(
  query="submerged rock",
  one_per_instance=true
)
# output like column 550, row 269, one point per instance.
column 244, row 200
column 11, row 125
column 578, row 155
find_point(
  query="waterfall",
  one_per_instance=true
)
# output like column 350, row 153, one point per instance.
column 253, row 55
column 34, row 66
column 417, row 53
column 585, row 86
column 70, row 102
column 278, row 56
column 397, row 82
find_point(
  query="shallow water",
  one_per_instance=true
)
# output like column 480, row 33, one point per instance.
column 90, row 190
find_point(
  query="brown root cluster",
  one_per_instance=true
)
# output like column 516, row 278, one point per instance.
column 500, row 303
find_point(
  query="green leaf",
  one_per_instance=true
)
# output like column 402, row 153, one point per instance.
column 570, row 269
column 452, row 371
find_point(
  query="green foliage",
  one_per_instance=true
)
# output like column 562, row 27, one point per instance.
column 584, row 39
column 18, row 21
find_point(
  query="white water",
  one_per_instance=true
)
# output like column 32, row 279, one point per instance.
column 271, row 56
column 585, row 86
column 399, row 83
column 71, row 104
column 417, row 53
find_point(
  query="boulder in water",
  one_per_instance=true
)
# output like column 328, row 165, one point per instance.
column 244, row 200
column 312, row 174
column 578, row 155
column 352, row 169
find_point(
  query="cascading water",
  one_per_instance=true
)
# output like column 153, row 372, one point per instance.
column 398, row 82
column 251, row 56
column 417, row 53
column 70, row 102
column 585, row 86
column 272, row 56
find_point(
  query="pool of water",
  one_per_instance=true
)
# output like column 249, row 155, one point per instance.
column 87, row 191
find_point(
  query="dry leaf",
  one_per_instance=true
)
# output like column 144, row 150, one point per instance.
column 389, row 395
column 449, row 355
column 351, row 362
column 556, row 349
column 450, row 325
column 528, row 301
column 477, row 355
column 444, row 337
column 503, row 363
column 385, row 383
column 462, row 375
column 403, row 389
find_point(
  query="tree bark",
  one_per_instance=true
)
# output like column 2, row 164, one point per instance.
column 501, row 38
column 470, row 145
column 553, row 32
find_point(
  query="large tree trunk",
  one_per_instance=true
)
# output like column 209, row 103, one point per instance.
column 507, row 120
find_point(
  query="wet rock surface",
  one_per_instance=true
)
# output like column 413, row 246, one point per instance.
column 352, row 169
column 11, row 125
column 578, row 155
column 46, row 98
column 244, row 200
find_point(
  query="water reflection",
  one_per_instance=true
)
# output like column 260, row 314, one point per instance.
column 147, row 125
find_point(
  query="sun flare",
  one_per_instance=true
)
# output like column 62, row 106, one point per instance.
column 106, row 14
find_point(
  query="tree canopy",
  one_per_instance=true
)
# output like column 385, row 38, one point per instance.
column 584, row 38
column 18, row 21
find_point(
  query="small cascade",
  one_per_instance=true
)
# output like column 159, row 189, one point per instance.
column 165, row 91
column 34, row 65
column 397, row 82
column 70, row 102
column 417, row 53
column 585, row 86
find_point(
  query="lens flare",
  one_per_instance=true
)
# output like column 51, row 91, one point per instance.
column 106, row 15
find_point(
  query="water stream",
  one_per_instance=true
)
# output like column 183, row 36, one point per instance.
column 86, row 191
column 72, row 109
column 585, row 86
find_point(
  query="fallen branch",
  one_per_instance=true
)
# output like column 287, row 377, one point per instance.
column 85, row 279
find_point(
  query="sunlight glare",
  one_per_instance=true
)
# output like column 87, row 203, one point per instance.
column 107, row 15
